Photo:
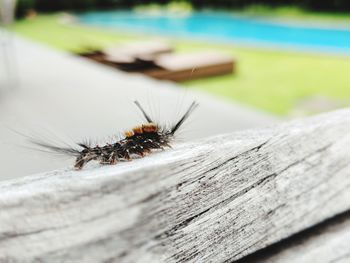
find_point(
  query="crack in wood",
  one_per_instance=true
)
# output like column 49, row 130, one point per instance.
column 262, row 181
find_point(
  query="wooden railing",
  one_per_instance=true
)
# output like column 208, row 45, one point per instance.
column 214, row 200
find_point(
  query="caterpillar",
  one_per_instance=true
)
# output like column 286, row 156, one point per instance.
column 138, row 141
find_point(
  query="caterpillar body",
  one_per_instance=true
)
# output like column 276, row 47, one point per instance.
column 138, row 141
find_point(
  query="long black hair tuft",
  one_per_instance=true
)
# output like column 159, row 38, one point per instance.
column 138, row 141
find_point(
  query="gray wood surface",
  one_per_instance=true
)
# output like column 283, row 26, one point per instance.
column 327, row 242
column 214, row 200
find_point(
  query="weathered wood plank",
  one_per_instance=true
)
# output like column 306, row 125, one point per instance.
column 327, row 242
column 215, row 200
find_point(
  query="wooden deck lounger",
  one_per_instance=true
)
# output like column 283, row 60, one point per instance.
column 155, row 59
column 180, row 67
column 145, row 51
column 133, row 57
column 129, row 53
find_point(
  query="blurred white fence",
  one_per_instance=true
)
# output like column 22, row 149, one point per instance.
column 7, row 11
column 8, row 65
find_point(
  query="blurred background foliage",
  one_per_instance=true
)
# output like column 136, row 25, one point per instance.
column 50, row 5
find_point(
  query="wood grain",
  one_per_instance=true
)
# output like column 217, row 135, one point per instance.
column 215, row 200
column 327, row 242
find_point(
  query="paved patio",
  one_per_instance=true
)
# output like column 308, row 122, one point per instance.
column 80, row 99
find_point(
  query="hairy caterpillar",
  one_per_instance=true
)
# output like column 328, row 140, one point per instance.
column 136, row 142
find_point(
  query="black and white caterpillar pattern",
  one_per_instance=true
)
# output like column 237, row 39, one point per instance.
column 137, row 142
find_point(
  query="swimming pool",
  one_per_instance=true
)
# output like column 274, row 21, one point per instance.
column 225, row 27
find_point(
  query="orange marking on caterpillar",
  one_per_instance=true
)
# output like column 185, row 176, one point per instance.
column 139, row 141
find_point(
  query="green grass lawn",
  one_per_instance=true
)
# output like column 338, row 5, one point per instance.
column 266, row 79
column 74, row 38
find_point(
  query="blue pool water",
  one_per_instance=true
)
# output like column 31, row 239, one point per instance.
column 225, row 27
